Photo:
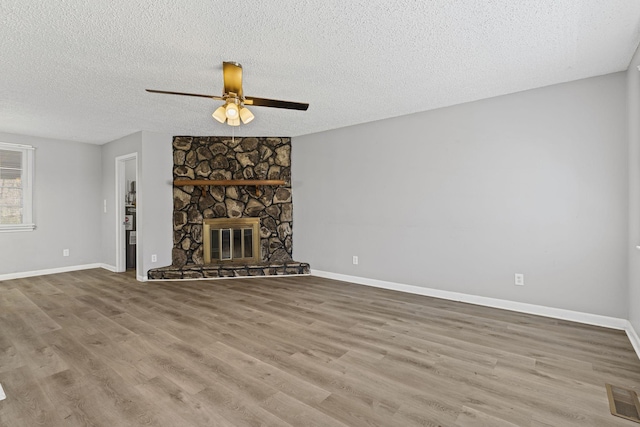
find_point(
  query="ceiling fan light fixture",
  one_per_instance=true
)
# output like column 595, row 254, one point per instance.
column 220, row 114
column 231, row 111
column 246, row 115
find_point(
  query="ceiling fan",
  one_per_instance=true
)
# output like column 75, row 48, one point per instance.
column 234, row 108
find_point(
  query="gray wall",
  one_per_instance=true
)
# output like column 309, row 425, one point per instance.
column 156, row 203
column 461, row 198
column 71, row 181
column 120, row 147
column 66, row 208
column 633, row 92
column 154, row 197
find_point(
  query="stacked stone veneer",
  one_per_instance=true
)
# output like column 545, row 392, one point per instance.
column 224, row 158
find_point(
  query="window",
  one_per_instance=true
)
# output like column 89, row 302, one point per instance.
column 16, row 180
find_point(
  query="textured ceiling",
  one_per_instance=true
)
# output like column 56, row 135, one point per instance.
column 77, row 70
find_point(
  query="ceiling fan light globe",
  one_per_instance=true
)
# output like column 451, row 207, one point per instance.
column 246, row 115
column 231, row 111
column 233, row 122
column 220, row 114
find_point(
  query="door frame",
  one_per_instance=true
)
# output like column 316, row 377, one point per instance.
column 120, row 194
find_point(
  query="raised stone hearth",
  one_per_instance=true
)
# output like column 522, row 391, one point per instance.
column 211, row 271
column 224, row 159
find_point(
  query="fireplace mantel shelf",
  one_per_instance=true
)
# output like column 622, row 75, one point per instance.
column 226, row 182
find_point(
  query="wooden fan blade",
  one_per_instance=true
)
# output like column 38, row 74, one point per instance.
column 274, row 103
column 219, row 98
column 232, row 74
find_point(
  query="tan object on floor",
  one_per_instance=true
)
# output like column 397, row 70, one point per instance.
column 623, row 402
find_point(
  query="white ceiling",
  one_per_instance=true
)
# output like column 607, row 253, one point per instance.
column 77, row 70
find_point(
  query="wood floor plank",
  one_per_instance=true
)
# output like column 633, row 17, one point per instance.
column 107, row 326
column 236, row 410
column 172, row 368
column 354, row 411
column 283, row 381
column 297, row 413
column 424, row 416
column 470, row 417
column 114, row 394
column 180, row 402
column 9, row 356
column 28, row 311
column 94, row 348
column 75, row 400
column 126, row 360
column 33, row 351
column 26, row 404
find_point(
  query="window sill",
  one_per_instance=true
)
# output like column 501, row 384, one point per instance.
column 6, row 228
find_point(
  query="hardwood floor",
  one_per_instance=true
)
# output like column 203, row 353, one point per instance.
column 94, row 348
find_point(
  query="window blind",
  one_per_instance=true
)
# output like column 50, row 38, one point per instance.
column 16, row 187
column 11, row 187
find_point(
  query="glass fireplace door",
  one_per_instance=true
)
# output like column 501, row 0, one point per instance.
column 231, row 240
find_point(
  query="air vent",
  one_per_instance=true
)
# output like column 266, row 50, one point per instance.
column 623, row 402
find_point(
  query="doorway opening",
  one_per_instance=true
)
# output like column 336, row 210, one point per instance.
column 127, row 211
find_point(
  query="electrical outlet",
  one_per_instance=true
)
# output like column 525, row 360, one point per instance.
column 154, row 258
column 104, row 206
column 519, row 279
column 355, row 260
column 65, row 252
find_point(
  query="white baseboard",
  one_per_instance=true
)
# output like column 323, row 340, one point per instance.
column 633, row 337
column 539, row 310
column 24, row 274
column 111, row 268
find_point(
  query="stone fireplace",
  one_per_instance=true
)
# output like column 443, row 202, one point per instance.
column 220, row 200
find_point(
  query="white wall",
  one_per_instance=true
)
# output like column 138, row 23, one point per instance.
column 66, row 208
column 633, row 93
column 461, row 198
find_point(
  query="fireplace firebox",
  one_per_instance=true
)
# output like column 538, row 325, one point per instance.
column 231, row 240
